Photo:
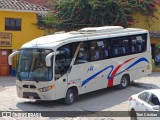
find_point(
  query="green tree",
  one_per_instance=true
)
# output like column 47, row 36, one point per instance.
column 75, row 14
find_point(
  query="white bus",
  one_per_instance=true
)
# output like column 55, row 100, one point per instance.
column 65, row 65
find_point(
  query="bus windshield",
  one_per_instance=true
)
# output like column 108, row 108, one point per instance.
column 32, row 65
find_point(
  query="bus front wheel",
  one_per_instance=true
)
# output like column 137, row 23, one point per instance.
column 70, row 97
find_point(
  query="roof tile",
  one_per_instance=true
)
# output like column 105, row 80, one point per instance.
column 20, row 5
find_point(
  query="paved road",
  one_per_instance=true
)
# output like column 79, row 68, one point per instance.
column 104, row 100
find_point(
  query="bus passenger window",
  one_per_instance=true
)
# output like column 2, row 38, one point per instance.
column 133, row 46
column 123, row 50
column 82, row 56
column 106, row 49
column 143, row 45
column 139, row 46
column 94, row 55
column 94, row 51
column 138, row 43
column 115, row 52
column 126, row 47
column 106, row 53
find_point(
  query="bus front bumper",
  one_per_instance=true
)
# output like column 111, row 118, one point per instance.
column 35, row 94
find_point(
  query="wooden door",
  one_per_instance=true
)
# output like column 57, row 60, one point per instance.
column 4, row 66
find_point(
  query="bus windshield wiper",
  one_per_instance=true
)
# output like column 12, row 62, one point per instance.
column 19, row 78
column 35, row 79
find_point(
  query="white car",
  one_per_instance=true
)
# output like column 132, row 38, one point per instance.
column 145, row 105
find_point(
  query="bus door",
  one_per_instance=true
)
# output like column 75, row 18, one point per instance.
column 63, row 63
column 61, row 80
column 61, row 86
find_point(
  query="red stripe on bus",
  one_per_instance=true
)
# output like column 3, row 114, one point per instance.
column 110, row 81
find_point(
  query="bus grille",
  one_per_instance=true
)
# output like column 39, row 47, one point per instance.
column 30, row 94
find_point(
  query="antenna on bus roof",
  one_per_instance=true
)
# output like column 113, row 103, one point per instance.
column 100, row 29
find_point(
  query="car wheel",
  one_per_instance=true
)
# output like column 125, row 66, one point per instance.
column 124, row 82
column 133, row 115
column 70, row 97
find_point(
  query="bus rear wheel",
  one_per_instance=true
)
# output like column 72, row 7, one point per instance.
column 124, row 82
column 70, row 97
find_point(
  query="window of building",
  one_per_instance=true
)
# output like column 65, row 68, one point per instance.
column 13, row 24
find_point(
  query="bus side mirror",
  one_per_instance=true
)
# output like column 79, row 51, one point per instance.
column 11, row 56
column 48, row 58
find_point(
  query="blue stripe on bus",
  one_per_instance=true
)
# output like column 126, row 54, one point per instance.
column 93, row 76
column 112, row 67
column 133, row 64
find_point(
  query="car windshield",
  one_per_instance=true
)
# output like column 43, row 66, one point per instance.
column 32, row 65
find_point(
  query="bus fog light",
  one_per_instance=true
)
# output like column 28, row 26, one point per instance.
column 44, row 89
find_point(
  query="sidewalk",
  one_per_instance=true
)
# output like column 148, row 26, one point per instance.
column 149, row 82
column 7, row 81
column 7, row 77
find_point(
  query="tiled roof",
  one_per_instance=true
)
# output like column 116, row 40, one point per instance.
column 46, row 3
column 20, row 5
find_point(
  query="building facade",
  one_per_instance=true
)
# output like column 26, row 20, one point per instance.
column 153, row 25
column 18, row 26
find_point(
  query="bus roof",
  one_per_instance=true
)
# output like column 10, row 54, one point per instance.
column 53, row 40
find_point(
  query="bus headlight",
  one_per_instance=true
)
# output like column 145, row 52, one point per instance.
column 44, row 89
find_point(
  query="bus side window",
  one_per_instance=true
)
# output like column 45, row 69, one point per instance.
column 139, row 46
column 106, row 54
column 141, row 42
column 126, row 46
column 82, row 56
column 94, row 51
column 116, row 45
column 143, row 45
column 138, row 43
column 133, row 46
column 106, row 49
column 115, row 51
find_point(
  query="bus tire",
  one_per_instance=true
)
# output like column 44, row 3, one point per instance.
column 70, row 97
column 124, row 82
